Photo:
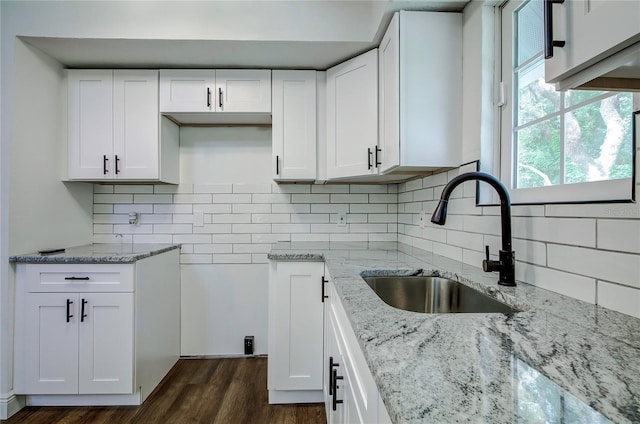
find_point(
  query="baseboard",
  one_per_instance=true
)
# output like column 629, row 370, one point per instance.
column 295, row 396
column 84, row 400
column 10, row 404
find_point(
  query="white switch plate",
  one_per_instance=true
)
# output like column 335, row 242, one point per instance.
column 342, row 220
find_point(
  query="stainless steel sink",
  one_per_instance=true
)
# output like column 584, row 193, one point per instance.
column 434, row 295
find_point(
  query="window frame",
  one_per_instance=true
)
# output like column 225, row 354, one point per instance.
column 607, row 191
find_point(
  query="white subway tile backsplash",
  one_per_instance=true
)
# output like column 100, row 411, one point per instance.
column 182, row 219
column 184, row 248
column 270, row 238
column 131, row 188
column 330, row 208
column 434, row 233
column 172, row 208
column 329, row 228
column 213, row 248
column 196, row 259
column 447, row 251
column 392, row 188
column 250, row 208
column 383, row 236
column 172, row 228
column 532, row 252
column 113, row 198
column 330, row 188
column 435, row 180
column 149, row 218
column 369, row 188
column 404, row 197
column 352, row 218
column 290, row 228
column 348, row 237
column 102, row 228
column 481, row 224
column 132, row 229
column 235, row 198
column 213, row 208
column 192, row 198
column 138, row 207
column 259, row 258
column 577, row 286
column 154, row 238
column 252, row 248
column 103, row 188
column 619, row 298
column 269, row 218
column 392, row 228
column 240, row 258
column 231, row 238
column 623, row 268
column 414, row 207
column 267, row 198
column 312, row 218
column 471, row 241
column 102, row 208
column 251, row 228
column 596, row 210
column 368, row 228
column 581, row 232
column 414, row 184
column 309, row 237
column 290, row 208
column 619, row 234
column 310, row 198
column 231, row 218
column 152, row 198
column 111, row 238
column 382, row 217
column 463, row 206
column 110, row 219
column 384, row 198
column 392, row 208
column 349, row 198
column 472, row 257
column 192, row 238
column 423, row 194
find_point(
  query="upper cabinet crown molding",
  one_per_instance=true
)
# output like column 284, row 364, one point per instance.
column 114, row 129
column 189, row 96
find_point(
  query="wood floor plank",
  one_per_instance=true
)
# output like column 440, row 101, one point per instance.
column 195, row 391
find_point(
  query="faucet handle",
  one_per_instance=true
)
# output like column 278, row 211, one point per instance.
column 486, row 249
column 488, row 265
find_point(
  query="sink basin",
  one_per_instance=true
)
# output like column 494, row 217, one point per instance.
column 434, row 295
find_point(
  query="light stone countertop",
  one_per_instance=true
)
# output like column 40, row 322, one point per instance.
column 106, row 253
column 560, row 360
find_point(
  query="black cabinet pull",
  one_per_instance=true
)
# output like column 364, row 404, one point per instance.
column 82, row 314
column 377, row 161
column 104, row 164
column 277, row 165
column 369, row 157
column 117, row 162
column 208, row 97
column 336, row 377
column 332, row 365
column 77, row 278
column 220, row 97
column 324, row 281
column 549, row 42
column 69, row 315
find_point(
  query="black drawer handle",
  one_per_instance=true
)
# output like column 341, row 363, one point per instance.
column 208, row 97
column 549, row 42
column 331, row 366
column 220, row 98
column 77, row 278
column 378, row 150
column 105, row 159
column 324, row 281
column 369, row 153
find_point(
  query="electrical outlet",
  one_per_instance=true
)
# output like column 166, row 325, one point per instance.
column 423, row 219
column 342, row 220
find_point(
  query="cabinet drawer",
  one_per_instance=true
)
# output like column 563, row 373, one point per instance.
column 77, row 277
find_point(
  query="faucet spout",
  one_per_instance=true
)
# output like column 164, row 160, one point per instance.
column 506, row 264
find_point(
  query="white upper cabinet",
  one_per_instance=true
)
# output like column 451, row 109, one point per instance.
column 187, row 90
column 90, row 126
column 209, row 90
column 135, row 124
column 592, row 31
column 243, row 90
column 114, row 129
column 294, row 125
column 420, row 86
column 352, row 117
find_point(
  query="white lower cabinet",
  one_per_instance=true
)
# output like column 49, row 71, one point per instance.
column 351, row 394
column 295, row 331
column 86, row 330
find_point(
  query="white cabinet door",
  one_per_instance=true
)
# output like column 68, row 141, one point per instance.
column 592, row 30
column 90, row 124
column 46, row 358
column 294, row 125
column 352, row 116
column 243, row 90
column 105, row 361
column 135, row 124
column 187, row 90
column 389, row 89
column 296, row 326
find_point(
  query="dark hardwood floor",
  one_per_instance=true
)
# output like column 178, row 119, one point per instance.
column 216, row 391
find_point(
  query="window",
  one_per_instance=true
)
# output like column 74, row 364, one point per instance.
column 567, row 146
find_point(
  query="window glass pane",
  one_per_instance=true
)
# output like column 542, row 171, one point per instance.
column 575, row 97
column 538, row 154
column 598, row 140
column 536, row 98
column 529, row 31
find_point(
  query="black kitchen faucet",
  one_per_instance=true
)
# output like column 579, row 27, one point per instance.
column 506, row 264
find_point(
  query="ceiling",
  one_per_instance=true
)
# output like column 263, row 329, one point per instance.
column 228, row 53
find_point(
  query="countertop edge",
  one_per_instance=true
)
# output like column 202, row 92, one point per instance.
column 122, row 258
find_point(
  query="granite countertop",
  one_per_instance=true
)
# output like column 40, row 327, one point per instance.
column 559, row 360
column 107, row 253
